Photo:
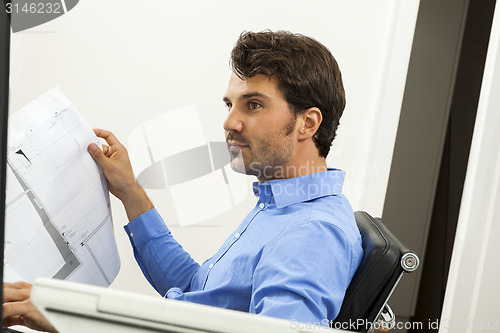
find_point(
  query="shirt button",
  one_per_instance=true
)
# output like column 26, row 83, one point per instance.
column 262, row 205
column 131, row 234
column 210, row 266
column 237, row 235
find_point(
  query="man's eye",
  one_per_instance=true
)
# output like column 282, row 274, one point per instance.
column 229, row 106
column 253, row 105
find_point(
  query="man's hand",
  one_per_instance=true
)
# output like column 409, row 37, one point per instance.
column 118, row 171
column 18, row 309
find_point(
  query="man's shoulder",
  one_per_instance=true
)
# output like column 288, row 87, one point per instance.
column 332, row 210
column 336, row 211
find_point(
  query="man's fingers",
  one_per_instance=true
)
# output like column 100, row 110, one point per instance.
column 24, row 313
column 106, row 135
column 105, row 149
column 16, row 309
column 97, row 154
column 17, row 285
column 14, row 320
column 15, row 295
column 16, row 291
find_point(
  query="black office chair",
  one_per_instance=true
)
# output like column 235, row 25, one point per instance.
column 384, row 261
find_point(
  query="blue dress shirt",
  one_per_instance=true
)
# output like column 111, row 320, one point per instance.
column 292, row 257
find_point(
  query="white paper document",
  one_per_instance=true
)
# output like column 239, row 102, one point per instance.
column 58, row 217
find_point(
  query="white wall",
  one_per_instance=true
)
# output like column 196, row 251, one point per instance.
column 472, row 299
column 123, row 63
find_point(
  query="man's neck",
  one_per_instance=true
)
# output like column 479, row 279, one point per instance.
column 290, row 170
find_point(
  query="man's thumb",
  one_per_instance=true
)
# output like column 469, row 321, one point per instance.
column 96, row 153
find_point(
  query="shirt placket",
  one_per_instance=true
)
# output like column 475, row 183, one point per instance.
column 260, row 206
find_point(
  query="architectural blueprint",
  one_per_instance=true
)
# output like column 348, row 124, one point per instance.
column 58, row 217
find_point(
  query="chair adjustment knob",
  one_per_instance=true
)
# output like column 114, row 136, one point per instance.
column 410, row 262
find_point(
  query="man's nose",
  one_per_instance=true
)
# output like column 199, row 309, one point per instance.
column 233, row 122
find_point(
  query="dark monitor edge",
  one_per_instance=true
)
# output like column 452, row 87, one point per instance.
column 4, row 113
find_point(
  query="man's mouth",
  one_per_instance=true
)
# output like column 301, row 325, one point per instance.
column 237, row 145
column 235, row 148
column 231, row 142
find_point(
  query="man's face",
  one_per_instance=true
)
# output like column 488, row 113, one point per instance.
column 260, row 127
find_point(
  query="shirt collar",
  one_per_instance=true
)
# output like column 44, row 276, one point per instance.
column 290, row 191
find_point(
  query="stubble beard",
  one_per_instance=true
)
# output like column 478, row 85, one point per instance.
column 268, row 155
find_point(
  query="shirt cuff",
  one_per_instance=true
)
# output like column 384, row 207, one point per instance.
column 174, row 293
column 145, row 227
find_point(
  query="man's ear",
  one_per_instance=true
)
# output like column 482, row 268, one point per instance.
column 310, row 121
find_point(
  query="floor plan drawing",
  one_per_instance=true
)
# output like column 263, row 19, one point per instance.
column 58, row 217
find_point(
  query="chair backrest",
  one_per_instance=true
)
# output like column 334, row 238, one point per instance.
column 384, row 261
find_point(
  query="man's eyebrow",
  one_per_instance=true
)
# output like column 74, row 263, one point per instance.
column 254, row 94
column 247, row 96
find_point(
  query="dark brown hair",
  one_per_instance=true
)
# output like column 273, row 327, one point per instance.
column 306, row 70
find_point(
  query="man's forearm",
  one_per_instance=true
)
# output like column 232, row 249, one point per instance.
column 136, row 202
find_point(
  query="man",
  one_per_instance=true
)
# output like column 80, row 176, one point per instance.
column 295, row 253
